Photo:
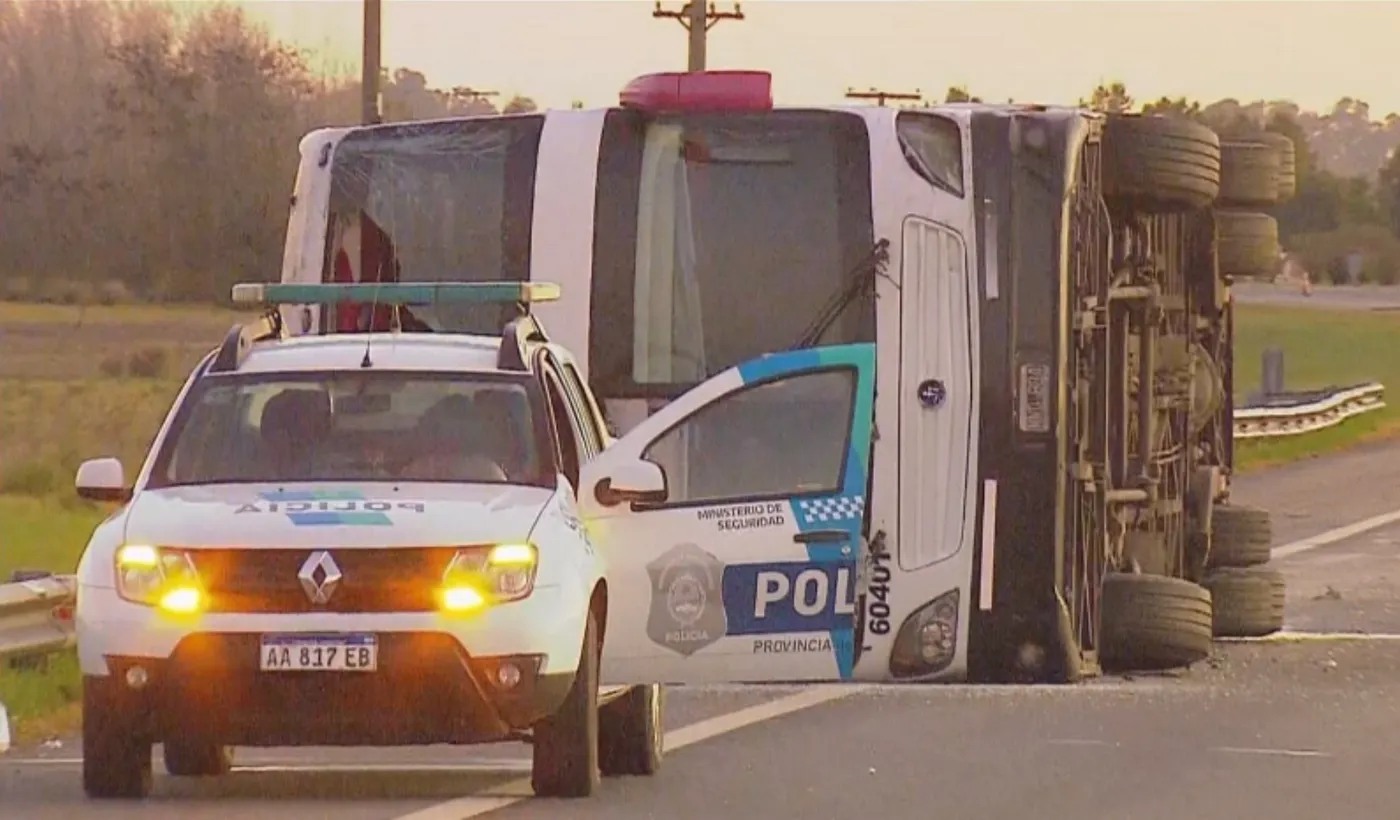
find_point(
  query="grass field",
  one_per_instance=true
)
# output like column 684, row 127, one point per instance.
column 82, row 382
column 1321, row 349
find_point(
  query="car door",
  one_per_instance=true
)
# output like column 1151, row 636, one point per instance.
column 730, row 523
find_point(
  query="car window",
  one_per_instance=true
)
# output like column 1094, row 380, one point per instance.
column 571, row 455
column 779, row 438
column 590, row 422
column 341, row 426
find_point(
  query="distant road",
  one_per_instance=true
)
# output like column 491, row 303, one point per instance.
column 1328, row 297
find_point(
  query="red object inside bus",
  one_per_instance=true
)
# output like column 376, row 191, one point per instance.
column 700, row 91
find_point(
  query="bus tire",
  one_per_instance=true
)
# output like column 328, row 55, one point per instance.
column 1157, row 164
column 1249, row 174
column 1246, row 244
column 1287, row 162
column 1246, row 602
column 1153, row 623
column 1239, row 537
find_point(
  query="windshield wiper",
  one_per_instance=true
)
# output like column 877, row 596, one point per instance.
column 863, row 275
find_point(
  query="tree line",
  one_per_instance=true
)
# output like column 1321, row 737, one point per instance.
column 148, row 153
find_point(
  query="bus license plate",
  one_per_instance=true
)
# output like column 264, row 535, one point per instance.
column 319, row 653
column 1034, row 409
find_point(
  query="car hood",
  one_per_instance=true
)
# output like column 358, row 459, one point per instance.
column 335, row 514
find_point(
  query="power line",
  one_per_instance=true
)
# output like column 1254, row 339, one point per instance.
column 881, row 96
column 697, row 19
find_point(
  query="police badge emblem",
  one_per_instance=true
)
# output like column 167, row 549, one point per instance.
column 687, row 601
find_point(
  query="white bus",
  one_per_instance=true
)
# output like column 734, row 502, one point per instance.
column 1050, row 432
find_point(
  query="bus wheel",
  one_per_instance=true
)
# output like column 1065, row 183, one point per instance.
column 1239, row 537
column 1158, row 164
column 1246, row 243
column 1287, row 164
column 1249, row 174
column 1153, row 623
column 1247, row 603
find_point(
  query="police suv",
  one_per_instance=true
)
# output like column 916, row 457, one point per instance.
column 364, row 540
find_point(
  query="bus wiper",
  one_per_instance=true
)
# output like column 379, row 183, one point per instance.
column 860, row 277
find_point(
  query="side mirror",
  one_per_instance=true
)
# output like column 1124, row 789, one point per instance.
column 633, row 481
column 103, row 479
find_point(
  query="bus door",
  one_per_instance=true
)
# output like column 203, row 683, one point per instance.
column 731, row 520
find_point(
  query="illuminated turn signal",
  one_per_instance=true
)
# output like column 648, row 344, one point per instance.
column 182, row 600
column 137, row 555
column 461, row 599
column 511, row 555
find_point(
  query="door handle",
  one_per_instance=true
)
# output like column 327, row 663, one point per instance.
column 821, row 536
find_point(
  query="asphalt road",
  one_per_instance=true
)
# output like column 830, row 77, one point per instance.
column 1295, row 727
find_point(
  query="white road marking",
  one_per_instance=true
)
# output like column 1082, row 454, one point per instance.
column 1334, row 535
column 1300, row 637
column 517, row 790
column 1234, row 750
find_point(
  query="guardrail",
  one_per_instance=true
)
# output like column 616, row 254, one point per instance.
column 36, row 618
column 1290, row 414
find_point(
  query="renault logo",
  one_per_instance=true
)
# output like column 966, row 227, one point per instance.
column 319, row 577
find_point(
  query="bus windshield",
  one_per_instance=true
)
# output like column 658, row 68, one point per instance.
column 720, row 237
column 433, row 201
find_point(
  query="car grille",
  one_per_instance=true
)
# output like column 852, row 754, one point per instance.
column 372, row 580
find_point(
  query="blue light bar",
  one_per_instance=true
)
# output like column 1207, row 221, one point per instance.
column 395, row 293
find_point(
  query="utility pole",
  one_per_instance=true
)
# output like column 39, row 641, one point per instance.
column 369, row 64
column 882, row 96
column 697, row 20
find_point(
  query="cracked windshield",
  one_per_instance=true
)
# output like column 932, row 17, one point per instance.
column 427, row 411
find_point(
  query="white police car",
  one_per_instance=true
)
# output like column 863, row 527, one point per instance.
column 354, row 540
column 410, row 538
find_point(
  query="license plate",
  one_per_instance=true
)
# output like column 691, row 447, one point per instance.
column 1033, row 411
column 319, row 653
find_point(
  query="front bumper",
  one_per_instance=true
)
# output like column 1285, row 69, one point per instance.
column 425, row 690
column 435, row 680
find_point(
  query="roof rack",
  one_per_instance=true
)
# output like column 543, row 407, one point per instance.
column 516, row 338
column 240, row 338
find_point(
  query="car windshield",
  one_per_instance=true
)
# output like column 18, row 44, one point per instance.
column 356, row 426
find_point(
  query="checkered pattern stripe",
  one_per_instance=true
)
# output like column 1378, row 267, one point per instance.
column 839, row 508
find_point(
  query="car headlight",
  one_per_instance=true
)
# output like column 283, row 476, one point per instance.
column 928, row 638
column 483, row 575
column 157, row 577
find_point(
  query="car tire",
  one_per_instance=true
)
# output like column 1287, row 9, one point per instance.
column 1246, row 243
column 1239, row 537
column 630, row 732
column 1153, row 623
column 1249, row 174
column 1155, row 164
column 191, row 756
column 116, row 753
column 1247, row 602
column 566, row 743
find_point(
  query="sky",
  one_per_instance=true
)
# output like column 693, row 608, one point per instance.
column 1050, row 51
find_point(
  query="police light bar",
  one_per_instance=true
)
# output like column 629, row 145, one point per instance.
column 700, row 91
column 395, row 293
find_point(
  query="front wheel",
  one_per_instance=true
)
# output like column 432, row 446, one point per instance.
column 1152, row 623
column 116, row 755
column 566, row 743
column 630, row 734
